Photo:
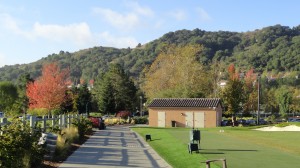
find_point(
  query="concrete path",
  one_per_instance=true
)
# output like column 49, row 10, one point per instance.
column 116, row 146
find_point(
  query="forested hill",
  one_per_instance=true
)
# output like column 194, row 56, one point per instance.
column 271, row 48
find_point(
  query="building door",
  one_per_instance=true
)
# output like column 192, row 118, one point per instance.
column 189, row 119
column 199, row 119
column 161, row 119
column 219, row 118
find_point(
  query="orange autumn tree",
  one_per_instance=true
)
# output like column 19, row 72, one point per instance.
column 233, row 93
column 48, row 91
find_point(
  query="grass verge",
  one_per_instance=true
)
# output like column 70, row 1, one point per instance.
column 242, row 147
column 171, row 145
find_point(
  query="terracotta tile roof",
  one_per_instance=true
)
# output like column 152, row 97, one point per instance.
column 185, row 102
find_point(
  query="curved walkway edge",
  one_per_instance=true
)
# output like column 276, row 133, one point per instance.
column 116, row 146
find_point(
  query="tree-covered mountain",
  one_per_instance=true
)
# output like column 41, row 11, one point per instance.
column 274, row 48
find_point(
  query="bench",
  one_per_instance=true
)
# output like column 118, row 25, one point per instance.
column 207, row 162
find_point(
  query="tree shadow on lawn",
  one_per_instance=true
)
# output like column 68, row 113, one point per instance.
column 239, row 150
column 156, row 139
column 215, row 151
column 220, row 153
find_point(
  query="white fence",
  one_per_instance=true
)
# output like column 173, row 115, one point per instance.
column 60, row 121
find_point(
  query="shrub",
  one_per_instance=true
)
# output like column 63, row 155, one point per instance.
column 113, row 121
column 123, row 114
column 283, row 124
column 55, row 112
column 95, row 114
column 38, row 111
column 95, row 122
column 272, row 119
column 140, row 119
column 19, row 146
column 84, row 126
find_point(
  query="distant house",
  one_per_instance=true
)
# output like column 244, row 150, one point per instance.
column 185, row 112
column 222, row 83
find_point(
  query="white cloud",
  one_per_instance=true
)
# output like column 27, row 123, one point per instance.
column 121, row 21
column 11, row 25
column 136, row 17
column 179, row 15
column 146, row 11
column 204, row 16
column 78, row 33
column 159, row 24
column 106, row 39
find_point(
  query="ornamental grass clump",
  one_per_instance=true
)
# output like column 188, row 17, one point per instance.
column 64, row 142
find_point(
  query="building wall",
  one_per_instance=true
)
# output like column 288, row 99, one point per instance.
column 211, row 119
column 219, row 112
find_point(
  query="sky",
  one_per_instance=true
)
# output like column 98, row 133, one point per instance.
column 33, row 29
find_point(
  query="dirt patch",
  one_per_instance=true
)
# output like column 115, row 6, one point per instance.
column 273, row 128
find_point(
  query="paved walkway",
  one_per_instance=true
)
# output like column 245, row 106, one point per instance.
column 116, row 146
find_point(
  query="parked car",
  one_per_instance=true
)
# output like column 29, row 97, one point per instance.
column 262, row 122
column 294, row 119
column 297, row 120
column 242, row 121
column 224, row 122
column 27, row 117
column 105, row 117
column 251, row 122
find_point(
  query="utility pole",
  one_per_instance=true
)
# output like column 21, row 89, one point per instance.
column 258, row 94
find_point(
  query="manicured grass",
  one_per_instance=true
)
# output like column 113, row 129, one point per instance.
column 171, row 144
column 242, row 147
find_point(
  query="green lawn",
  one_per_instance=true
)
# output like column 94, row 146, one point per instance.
column 242, row 147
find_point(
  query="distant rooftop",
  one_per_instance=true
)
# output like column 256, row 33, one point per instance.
column 185, row 102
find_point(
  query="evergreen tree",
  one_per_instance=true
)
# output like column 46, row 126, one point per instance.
column 8, row 96
column 84, row 99
column 115, row 91
column 284, row 99
column 22, row 103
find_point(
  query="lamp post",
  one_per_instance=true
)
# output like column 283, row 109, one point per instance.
column 141, row 106
column 86, row 109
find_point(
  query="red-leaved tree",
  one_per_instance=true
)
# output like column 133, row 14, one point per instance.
column 49, row 90
column 233, row 93
column 233, row 75
column 250, row 92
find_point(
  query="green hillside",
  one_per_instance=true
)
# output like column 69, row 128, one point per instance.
column 274, row 48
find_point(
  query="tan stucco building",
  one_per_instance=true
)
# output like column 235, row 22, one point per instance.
column 185, row 112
